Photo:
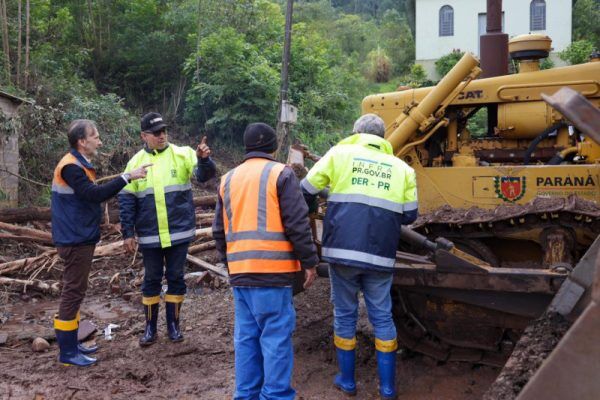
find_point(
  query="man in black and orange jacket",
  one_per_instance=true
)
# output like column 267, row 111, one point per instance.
column 262, row 230
column 76, row 215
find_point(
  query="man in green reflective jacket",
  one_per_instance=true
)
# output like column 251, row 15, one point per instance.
column 159, row 210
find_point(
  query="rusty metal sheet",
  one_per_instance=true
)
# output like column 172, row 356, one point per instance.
column 583, row 114
column 497, row 279
column 579, row 281
column 571, row 370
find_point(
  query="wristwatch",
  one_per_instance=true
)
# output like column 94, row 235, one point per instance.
column 127, row 176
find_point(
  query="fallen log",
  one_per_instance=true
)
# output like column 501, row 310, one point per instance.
column 23, row 262
column 205, row 201
column 203, row 264
column 23, row 231
column 116, row 248
column 20, row 215
column 43, row 286
column 14, row 215
column 202, row 247
column 20, row 238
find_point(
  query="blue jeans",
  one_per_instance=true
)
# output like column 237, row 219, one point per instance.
column 264, row 358
column 375, row 285
column 171, row 260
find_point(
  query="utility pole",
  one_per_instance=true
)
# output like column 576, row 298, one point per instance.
column 282, row 125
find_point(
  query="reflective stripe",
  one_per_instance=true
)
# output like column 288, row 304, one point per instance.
column 178, row 188
column 174, row 298
column 143, row 193
column 261, row 255
column 368, row 200
column 125, row 191
column 253, row 235
column 386, row 346
column 344, row 344
column 227, row 200
column 413, row 205
column 148, row 301
column 261, row 224
column 167, row 189
column 61, row 325
column 358, row 256
column 309, row 187
column 62, row 189
column 174, row 236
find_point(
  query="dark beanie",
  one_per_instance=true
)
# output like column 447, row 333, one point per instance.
column 260, row 137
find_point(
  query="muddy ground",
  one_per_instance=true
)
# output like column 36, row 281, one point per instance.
column 202, row 366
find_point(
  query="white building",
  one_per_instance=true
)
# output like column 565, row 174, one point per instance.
column 445, row 25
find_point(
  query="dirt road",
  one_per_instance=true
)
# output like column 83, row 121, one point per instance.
column 202, row 366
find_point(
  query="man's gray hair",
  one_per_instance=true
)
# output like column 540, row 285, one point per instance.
column 370, row 123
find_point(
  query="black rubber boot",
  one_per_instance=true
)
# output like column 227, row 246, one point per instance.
column 151, row 312
column 66, row 336
column 172, row 311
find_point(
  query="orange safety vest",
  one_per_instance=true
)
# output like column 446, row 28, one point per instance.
column 58, row 183
column 254, row 232
column 74, row 221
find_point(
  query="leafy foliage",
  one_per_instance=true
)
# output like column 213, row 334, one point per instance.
column 577, row 52
column 586, row 14
column 378, row 66
column 445, row 63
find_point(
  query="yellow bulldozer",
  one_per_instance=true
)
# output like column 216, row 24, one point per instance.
column 521, row 195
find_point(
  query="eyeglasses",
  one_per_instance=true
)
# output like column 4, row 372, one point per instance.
column 158, row 133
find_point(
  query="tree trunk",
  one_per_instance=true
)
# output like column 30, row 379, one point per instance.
column 5, row 43
column 26, row 43
column 202, row 247
column 16, row 215
column 20, row 230
column 19, row 215
column 19, row 35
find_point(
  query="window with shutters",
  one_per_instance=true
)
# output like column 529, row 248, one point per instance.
column 446, row 21
column 537, row 15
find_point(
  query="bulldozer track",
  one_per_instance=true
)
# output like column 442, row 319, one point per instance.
column 467, row 227
column 541, row 212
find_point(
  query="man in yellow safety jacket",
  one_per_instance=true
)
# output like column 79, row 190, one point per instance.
column 262, row 230
column 159, row 210
column 371, row 195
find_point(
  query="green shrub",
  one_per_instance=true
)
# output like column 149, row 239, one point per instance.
column 445, row 63
column 577, row 52
column 379, row 67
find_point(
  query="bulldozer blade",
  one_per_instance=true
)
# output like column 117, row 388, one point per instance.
column 575, row 291
column 459, row 261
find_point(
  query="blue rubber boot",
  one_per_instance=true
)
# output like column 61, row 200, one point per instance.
column 344, row 380
column 84, row 349
column 151, row 314
column 66, row 336
column 173, row 307
column 386, row 367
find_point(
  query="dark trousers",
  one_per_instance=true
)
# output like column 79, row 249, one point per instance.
column 171, row 260
column 78, row 261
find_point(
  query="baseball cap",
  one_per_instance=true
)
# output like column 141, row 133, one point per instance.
column 152, row 122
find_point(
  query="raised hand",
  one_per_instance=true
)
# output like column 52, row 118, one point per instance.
column 203, row 151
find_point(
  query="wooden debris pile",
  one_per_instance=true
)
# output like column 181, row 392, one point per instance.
column 28, row 259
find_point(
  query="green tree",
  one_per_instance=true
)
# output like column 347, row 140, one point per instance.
column 577, row 52
column 397, row 40
column 235, row 85
column 444, row 64
column 586, row 14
